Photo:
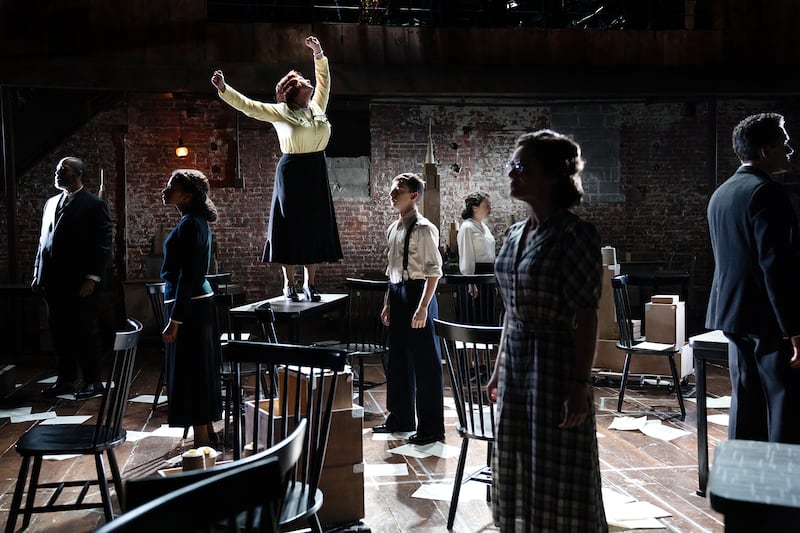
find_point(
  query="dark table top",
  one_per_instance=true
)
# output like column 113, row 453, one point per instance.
column 746, row 471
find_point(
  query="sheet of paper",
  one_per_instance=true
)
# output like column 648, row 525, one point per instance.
column 721, row 419
column 166, row 431
column 148, row 398
column 32, row 417
column 386, row 469
column 628, row 423
column 723, row 402
column 401, row 435
column 636, row 510
column 410, row 451
column 74, row 419
column 51, row 379
column 59, row 457
column 470, row 491
column 657, row 430
column 612, row 497
column 18, row 411
column 134, row 436
column 659, row 346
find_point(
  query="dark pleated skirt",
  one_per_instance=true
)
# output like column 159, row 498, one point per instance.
column 302, row 223
column 193, row 365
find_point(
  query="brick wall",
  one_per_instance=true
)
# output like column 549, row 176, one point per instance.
column 650, row 170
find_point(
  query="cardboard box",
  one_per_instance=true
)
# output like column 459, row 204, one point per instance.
column 609, row 357
column 343, row 399
column 342, row 494
column 345, row 444
column 665, row 323
column 606, row 316
column 665, row 299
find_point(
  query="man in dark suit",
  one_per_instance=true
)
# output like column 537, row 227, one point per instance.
column 755, row 294
column 73, row 250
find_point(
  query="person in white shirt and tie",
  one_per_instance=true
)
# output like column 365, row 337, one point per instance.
column 414, row 375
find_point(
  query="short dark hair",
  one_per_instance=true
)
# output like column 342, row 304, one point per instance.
column 414, row 181
column 560, row 157
column 754, row 132
column 472, row 201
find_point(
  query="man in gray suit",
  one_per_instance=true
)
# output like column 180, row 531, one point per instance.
column 755, row 294
column 71, row 259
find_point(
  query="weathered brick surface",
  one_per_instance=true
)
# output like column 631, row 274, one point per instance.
column 650, row 171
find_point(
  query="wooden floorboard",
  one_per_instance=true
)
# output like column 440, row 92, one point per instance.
column 647, row 469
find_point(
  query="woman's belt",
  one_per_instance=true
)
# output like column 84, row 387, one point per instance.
column 201, row 297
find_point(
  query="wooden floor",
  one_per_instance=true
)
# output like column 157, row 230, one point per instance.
column 647, row 469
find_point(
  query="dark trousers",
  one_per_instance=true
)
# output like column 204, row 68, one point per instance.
column 75, row 333
column 765, row 399
column 414, row 381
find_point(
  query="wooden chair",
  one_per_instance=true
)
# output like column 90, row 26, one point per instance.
column 216, row 503
column 224, row 303
column 366, row 337
column 303, row 393
column 85, row 439
column 486, row 309
column 470, row 352
column 219, row 282
column 142, row 491
column 156, row 293
column 632, row 346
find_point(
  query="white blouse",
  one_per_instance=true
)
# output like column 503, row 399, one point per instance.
column 475, row 245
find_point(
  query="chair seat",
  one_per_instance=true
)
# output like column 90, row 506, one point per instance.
column 296, row 505
column 650, row 348
column 63, row 439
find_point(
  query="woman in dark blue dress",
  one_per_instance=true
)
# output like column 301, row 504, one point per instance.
column 190, row 336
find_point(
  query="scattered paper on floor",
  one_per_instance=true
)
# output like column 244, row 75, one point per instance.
column 470, row 491
column 19, row 411
column 148, row 398
column 386, row 469
column 57, row 420
column 628, row 423
column 723, row 402
column 722, row 419
column 32, row 417
column 657, row 430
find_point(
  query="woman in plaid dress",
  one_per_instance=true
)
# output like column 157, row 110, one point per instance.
column 546, row 469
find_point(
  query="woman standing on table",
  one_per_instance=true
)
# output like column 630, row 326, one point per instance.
column 192, row 341
column 302, row 223
column 549, row 270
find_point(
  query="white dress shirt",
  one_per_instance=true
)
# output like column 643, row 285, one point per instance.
column 475, row 245
column 424, row 258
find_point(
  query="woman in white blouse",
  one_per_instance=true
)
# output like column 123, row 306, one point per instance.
column 475, row 241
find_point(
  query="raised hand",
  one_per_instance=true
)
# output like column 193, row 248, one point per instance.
column 313, row 43
column 218, row 80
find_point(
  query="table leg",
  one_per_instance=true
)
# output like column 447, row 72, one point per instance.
column 702, row 423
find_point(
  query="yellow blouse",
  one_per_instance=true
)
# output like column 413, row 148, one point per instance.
column 298, row 131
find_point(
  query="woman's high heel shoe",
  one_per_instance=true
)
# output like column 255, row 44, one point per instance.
column 311, row 294
column 291, row 293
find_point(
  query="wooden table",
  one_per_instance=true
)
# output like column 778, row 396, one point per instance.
column 709, row 346
column 293, row 313
column 756, row 485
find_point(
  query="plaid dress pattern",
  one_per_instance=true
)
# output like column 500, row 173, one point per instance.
column 546, row 479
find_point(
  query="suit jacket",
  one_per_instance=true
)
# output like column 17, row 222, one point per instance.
column 754, row 236
column 75, row 245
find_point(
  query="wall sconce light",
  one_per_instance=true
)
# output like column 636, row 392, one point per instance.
column 181, row 150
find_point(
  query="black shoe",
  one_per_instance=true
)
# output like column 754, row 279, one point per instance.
column 311, row 294
column 419, row 440
column 291, row 294
column 386, row 428
column 59, row 389
column 90, row 390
